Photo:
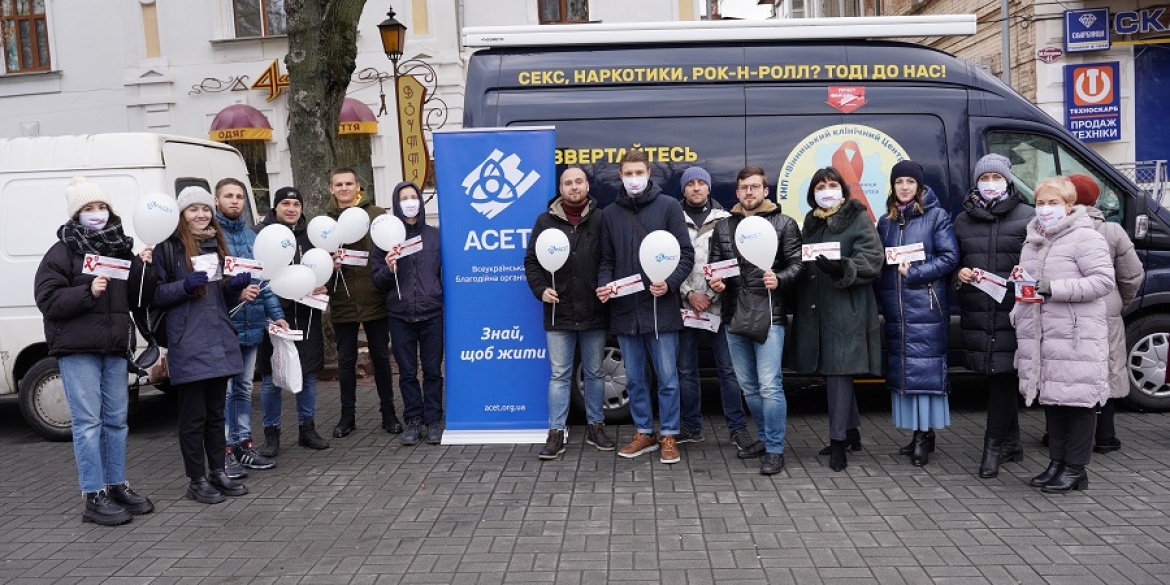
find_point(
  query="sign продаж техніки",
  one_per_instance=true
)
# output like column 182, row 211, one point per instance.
column 1092, row 101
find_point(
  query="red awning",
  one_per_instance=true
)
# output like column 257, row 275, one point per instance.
column 356, row 118
column 240, row 122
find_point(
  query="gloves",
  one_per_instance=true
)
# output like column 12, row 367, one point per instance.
column 193, row 281
column 1044, row 287
column 239, row 282
column 834, row 268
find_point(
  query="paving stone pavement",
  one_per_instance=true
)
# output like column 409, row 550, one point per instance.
column 372, row 511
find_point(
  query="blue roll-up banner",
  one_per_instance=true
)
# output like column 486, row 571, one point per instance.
column 492, row 184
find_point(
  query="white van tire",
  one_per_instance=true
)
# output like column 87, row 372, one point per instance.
column 42, row 401
column 1147, row 344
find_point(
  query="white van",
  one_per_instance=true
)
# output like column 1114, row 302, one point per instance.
column 33, row 175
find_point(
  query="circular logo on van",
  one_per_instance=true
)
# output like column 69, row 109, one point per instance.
column 862, row 154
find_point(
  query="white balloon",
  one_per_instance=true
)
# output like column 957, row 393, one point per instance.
column 387, row 231
column 659, row 255
column 294, row 282
column 353, row 223
column 756, row 241
column 323, row 233
column 275, row 246
column 552, row 249
column 155, row 218
column 321, row 262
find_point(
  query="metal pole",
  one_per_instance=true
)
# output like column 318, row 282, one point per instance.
column 1006, row 39
column 398, row 123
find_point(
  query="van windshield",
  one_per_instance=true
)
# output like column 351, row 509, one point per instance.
column 1036, row 157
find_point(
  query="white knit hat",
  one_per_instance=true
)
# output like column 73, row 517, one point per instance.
column 194, row 194
column 81, row 192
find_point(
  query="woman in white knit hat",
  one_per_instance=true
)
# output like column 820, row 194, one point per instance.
column 203, row 350
column 89, row 331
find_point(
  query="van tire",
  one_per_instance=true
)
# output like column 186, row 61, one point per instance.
column 616, row 401
column 1147, row 344
column 43, row 403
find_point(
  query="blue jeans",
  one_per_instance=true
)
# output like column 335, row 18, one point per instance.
column 561, row 349
column 690, row 386
column 238, row 410
column 663, row 353
column 95, row 388
column 757, row 365
column 270, row 400
column 412, row 340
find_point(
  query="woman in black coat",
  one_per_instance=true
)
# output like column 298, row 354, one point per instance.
column 914, row 301
column 89, row 331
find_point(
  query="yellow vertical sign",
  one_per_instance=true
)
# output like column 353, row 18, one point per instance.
column 412, row 141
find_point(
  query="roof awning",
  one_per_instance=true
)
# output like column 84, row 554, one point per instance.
column 356, row 118
column 240, row 122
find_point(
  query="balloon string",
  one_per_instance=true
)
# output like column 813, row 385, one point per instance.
column 236, row 308
column 554, row 305
column 396, row 287
column 341, row 274
column 655, row 317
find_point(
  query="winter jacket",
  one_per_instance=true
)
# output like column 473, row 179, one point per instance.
column 311, row 349
column 1064, row 343
column 620, row 240
column 76, row 321
column 836, row 331
column 578, row 308
column 202, row 342
column 696, row 281
column 745, row 300
column 915, row 305
column 252, row 319
column 420, row 275
column 1128, row 274
column 990, row 238
column 352, row 296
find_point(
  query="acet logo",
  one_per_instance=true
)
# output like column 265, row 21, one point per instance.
column 497, row 183
column 748, row 236
column 556, row 249
column 663, row 256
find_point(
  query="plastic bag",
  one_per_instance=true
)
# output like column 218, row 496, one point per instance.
column 286, row 364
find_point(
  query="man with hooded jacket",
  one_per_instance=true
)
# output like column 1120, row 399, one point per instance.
column 645, row 327
column 414, row 301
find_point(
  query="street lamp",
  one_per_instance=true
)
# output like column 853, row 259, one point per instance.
column 393, row 34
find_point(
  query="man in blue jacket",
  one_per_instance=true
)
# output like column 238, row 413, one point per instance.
column 645, row 327
column 251, row 323
column 415, row 303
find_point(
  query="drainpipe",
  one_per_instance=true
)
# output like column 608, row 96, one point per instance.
column 1005, row 35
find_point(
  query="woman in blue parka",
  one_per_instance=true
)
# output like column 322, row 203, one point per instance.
column 913, row 298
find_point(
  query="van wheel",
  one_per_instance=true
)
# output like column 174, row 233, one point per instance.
column 615, row 402
column 1148, row 348
column 42, row 401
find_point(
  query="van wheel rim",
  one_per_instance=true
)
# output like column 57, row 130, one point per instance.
column 51, row 403
column 1147, row 365
column 614, row 371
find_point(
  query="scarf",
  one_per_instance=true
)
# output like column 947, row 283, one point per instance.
column 108, row 241
column 825, row 213
column 204, row 234
column 573, row 212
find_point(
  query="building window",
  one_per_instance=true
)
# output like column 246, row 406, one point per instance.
column 259, row 18
column 562, row 11
column 25, row 35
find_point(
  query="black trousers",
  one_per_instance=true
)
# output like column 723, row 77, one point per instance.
column 1003, row 406
column 378, row 342
column 1070, row 433
column 1105, row 428
column 201, row 428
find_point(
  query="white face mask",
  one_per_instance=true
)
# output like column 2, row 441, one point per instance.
column 1049, row 215
column 827, row 198
column 95, row 219
column 635, row 185
column 992, row 190
column 409, row 207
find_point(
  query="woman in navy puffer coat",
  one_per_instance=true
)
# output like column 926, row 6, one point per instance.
column 913, row 299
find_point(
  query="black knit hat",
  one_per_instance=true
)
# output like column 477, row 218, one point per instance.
column 906, row 168
column 287, row 193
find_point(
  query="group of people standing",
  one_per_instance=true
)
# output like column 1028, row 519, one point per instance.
column 1051, row 349
column 216, row 334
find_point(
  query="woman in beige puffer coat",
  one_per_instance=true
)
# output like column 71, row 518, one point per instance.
column 1063, row 343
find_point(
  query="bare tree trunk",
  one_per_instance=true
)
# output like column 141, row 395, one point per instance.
column 322, row 52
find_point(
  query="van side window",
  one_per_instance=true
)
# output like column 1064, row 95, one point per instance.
column 1035, row 157
column 184, row 182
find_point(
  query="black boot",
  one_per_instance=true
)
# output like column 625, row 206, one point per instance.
column 992, row 454
column 554, row 446
column 1013, row 450
column 201, row 491
column 100, row 509
column 307, row 436
column 1071, row 478
column 392, row 425
column 226, row 485
column 909, row 448
column 1053, row 470
column 345, row 427
column 837, row 460
column 124, row 496
column 271, row 446
column 921, row 448
column 852, row 440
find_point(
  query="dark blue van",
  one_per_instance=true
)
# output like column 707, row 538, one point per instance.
column 791, row 107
